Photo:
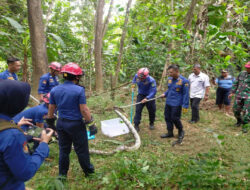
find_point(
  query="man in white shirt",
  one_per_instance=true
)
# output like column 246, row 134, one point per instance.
column 199, row 89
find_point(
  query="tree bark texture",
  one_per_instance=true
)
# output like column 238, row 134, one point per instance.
column 190, row 14
column 38, row 42
column 170, row 48
column 105, row 26
column 98, row 46
column 25, row 65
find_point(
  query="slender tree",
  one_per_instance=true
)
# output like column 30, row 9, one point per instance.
column 124, row 31
column 171, row 47
column 38, row 41
column 98, row 45
column 190, row 14
column 106, row 22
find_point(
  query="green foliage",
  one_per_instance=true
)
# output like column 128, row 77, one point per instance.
column 217, row 15
column 202, row 172
column 152, row 30
column 51, row 183
column 3, row 66
column 15, row 24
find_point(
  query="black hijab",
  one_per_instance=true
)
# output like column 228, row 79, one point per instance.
column 14, row 97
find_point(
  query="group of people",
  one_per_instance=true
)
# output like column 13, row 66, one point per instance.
column 17, row 164
column 181, row 91
column 228, row 87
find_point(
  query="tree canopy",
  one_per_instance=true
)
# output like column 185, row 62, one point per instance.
column 213, row 33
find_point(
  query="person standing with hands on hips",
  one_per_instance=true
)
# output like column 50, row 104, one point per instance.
column 199, row 89
column 70, row 101
column 177, row 100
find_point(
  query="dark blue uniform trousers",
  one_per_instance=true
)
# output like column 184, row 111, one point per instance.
column 151, row 110
column 73, row 132
column 173, row 117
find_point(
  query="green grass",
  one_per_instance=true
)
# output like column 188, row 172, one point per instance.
column 214, row 155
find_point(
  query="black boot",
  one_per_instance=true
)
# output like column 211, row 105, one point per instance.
column 181, row 135
column 137, row 128
column 151, row 126
column 62, row 178
column 239, row 122
column 167, row 135
column 180, row 138
column 245, row 128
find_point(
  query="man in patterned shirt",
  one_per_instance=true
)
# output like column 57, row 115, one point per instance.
column 241, row 90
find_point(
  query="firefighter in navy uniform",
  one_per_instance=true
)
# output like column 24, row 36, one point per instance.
column 16, row 164
column 146, row 90
column 70, row 101
column 36, row 113
column 14, row 65
column 177, row 100
column 49, row 80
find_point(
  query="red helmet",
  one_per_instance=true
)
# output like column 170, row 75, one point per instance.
column 55, row 65
column 46, row 98
column 72, row 68
column 143, row 73
column 248, row 65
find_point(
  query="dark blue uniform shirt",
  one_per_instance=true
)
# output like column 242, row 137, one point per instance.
column 35, row 113
column 46, row 83
column 67, row 98
column 8, row 75
column 16, row 164
column 146, row 87
column 178, row 92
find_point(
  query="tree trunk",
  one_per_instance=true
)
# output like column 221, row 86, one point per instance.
column 201, row 25
column 51, row 6
column 190, row 14
column 171, row 47
column 98, row 46
column 124, row 31
column 25, row 65
column 105, row 26
column 90, row 52
column 38, row 42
